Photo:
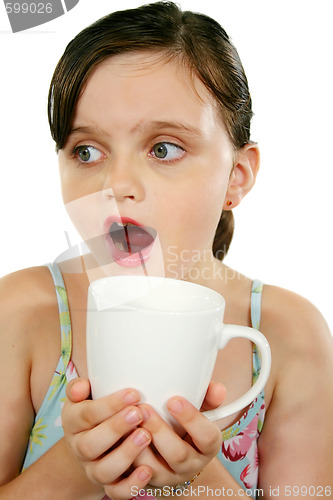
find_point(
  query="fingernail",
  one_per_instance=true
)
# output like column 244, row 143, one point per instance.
column 175, row 405
column 131, row 397
column 140, row 437
column 133, row 416
column 144, row 474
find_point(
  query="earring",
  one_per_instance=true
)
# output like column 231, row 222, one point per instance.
column 229, row 203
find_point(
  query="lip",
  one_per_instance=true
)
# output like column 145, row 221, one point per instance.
column 120, row 220
column 135, row 259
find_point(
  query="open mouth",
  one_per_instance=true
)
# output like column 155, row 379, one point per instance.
column 131, row 244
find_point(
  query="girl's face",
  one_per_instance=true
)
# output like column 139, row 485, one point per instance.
column 146, row 166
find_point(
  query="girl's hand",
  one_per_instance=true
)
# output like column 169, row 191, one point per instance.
column 104, row 438
column 175, row 460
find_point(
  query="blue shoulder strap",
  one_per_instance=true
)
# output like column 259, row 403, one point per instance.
column 256, row 296
column 64, row 314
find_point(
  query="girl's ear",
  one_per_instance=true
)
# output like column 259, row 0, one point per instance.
column 243, row 175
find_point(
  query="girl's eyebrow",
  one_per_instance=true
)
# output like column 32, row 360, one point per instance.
column 147, row 126
column 84, row 129
column 143, row 127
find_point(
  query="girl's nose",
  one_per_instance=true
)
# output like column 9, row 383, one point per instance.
column 123, row 182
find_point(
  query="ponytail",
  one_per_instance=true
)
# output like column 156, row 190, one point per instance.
column 223, row 235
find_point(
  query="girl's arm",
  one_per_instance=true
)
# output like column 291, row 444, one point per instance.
column 296, row 444
column 16, row 410
column 55, row 475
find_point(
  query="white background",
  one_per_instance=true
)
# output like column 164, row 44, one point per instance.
column 283, row 228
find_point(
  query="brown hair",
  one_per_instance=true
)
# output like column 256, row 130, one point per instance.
column 196, row 39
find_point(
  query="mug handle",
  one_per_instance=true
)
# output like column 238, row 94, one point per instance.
column 226, row 333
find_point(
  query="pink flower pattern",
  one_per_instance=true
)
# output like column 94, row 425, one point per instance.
column 243, row 446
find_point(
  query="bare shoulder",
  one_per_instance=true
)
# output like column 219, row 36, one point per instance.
column 25, row 304
column 21, row 283
column 302, row 356
column 294, row 323
column 22, row 293
column 26, row 300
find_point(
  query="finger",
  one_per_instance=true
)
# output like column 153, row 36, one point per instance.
column 131, row 486
column 78, row 390
column 91, row 444
column 78, row 417
column 109, row 468
column 161, row 469
column 174, row 450
column 215, row 396
column 205, row 435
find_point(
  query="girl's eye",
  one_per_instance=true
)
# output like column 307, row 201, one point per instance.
column 87, row 154
column 167, row 151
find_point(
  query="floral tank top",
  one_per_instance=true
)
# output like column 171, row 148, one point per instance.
column 239, row 451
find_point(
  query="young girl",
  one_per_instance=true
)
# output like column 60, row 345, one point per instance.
column 150, row 112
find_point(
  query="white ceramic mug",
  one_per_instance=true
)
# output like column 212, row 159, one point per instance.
column 161, row 336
